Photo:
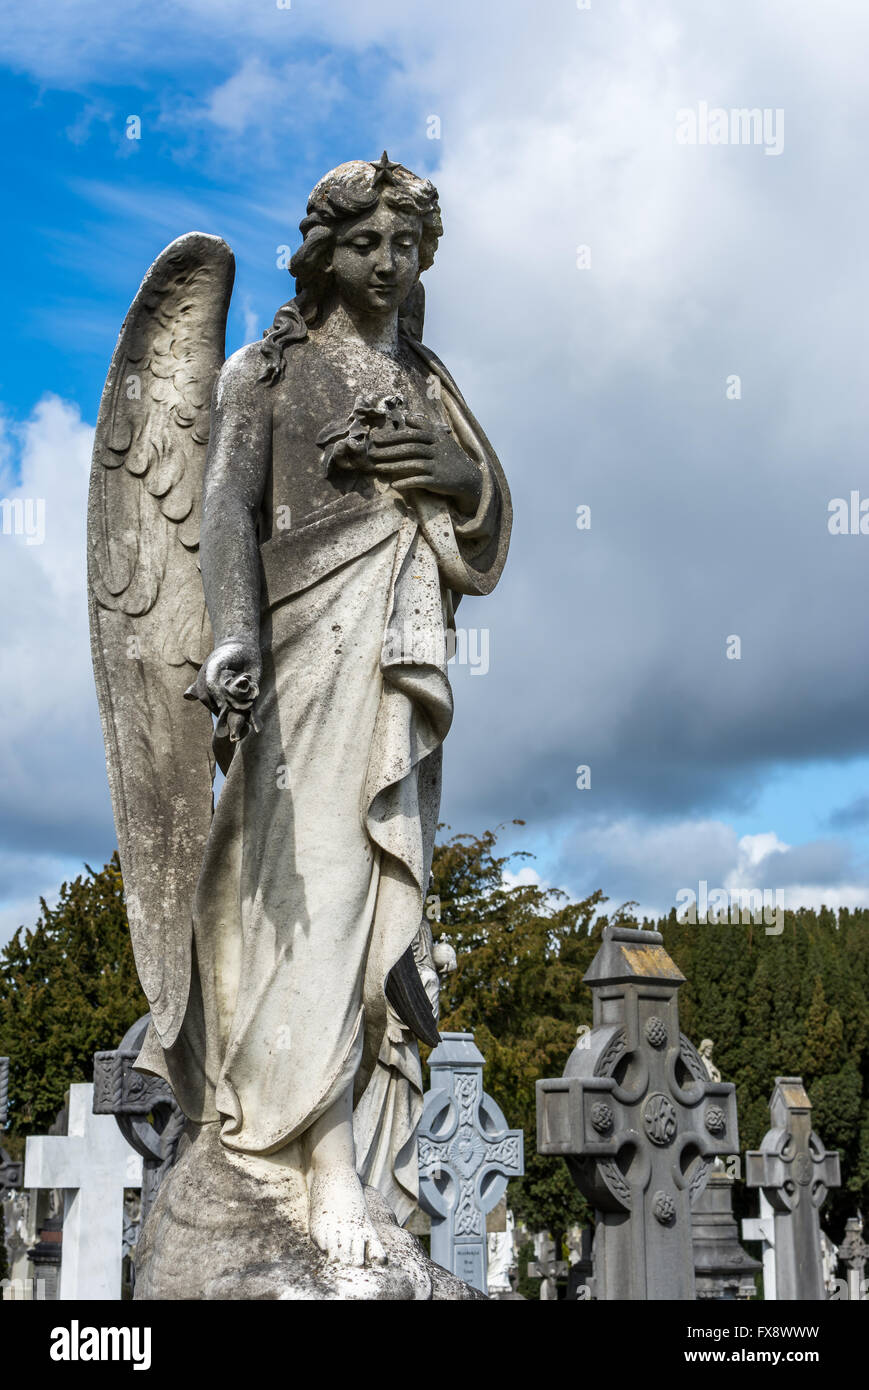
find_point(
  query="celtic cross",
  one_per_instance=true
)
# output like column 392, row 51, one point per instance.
column 466, row 1156
column 638, row 1119
column 794, row 1171
column 144, row 1107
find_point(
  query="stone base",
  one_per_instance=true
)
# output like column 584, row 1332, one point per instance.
column 234, row 1226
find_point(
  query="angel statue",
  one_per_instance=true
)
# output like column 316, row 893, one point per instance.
column 283, row 538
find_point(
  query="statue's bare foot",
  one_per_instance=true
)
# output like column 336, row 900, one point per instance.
column 339, row 1220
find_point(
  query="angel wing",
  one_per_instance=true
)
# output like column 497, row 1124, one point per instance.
column 149, row 626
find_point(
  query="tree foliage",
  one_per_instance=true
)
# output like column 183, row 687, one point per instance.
column 775, row 1005
column 68, row 989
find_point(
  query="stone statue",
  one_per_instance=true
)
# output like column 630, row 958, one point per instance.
column 705, row 1049
column 284, row 537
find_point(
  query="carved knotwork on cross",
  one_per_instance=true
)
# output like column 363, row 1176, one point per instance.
column 144, row 1107
column 794, row 1171
column 466, row 1157
column 638, row 1120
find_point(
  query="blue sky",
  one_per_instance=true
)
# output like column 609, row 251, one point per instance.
column 603, row 386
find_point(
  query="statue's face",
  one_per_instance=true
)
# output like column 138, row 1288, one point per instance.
column 375, row 263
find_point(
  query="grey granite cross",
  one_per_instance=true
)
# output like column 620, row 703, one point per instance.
column 466, row 1157
column 638, row 1119
column 794, row 1170
column 144, row 1107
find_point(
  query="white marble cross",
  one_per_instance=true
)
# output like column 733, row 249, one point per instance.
column 762, row 1228
column 92, row 1164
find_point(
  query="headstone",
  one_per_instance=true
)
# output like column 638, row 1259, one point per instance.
column 581, row 1271
column 853, row 1253
column 722, row 1269
column 546, row 1267
column 638, row 1120
column 795, row 1171
column 829, row 1262
column 502, row 1263
column 762, row 1228
column 467, row 1154
column 92, row 1164
column 144, row 1107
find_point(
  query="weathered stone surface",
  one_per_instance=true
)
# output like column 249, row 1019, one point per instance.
column 794, row 1171
column 231, row 1226
column 348, row 496
column 638, row 1120
column 467, row 1155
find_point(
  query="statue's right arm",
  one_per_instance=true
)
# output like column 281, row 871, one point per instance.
column 236, row 469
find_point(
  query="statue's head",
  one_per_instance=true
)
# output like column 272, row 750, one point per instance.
column 370, row 230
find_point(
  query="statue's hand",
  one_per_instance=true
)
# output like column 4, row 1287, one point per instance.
column 417, row 458
column 228, row 683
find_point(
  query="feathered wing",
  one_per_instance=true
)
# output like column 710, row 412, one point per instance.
column 149, row 626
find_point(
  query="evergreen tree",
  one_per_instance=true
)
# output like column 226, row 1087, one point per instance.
column 68, row 989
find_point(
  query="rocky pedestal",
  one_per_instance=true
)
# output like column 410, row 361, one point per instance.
column 232, row 1226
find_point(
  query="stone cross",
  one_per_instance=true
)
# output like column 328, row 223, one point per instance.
column 144, row 1107
column 794, row 1170
column 92, row 1164
column 638, row 1119
column 466, row 1157
column 762, row 1228
column 546, row 1267
column 854, row 1252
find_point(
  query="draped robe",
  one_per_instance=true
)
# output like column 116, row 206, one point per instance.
column 317, row 866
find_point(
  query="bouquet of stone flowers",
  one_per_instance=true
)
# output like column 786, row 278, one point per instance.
column 235, row 716
column 345, row 442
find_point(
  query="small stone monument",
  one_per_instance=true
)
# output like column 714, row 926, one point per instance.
column 92, row 1164
column 722, row 1269
column 853, row 1254
column 762, row 1228
column 795, row 1171
column 546, row 1267
column 638, row 1121
column 467, row 1154
column 144, row 1107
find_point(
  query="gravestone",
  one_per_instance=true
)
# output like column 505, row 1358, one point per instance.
column 722, row 1269
column 92, row 1164
column 638, row 1121
column 795, row 1171
column 762, row 1228
column 467, row 1154
column 853, row 1253
column 503, row 1265
column 546, row 1267
column 144, row 1107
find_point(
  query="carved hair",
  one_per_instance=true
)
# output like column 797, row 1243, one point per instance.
column 340, row 197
